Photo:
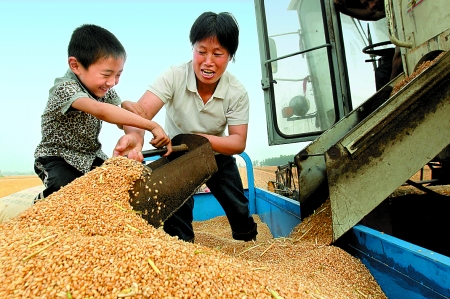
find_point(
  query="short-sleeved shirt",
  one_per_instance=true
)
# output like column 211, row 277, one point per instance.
column 70, row 133
column 185, row 111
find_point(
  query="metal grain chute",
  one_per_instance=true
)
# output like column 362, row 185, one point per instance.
column 168, row 182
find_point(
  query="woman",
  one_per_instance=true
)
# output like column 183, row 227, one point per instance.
column 202, row 98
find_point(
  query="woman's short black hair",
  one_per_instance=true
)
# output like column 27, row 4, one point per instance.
column 89, row 43
column 223, row 26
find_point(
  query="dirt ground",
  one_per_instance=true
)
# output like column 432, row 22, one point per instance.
column 13, row 184
column 262, row 175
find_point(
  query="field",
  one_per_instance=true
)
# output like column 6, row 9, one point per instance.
column 262, row 175
column 13, row 184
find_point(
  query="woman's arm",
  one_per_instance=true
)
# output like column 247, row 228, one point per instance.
column 232, row 144
column 147, row 106
column 130, row 144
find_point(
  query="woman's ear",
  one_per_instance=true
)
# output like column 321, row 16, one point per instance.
column 74, row 65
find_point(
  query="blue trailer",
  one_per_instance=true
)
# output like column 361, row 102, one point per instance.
column 402, row 269
column 363, row 141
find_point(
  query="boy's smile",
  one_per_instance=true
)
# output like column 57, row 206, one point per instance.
column 100, row 76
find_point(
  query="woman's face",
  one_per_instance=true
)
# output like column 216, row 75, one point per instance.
column 210, row 60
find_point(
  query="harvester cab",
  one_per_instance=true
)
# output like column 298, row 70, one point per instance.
column 319, row 87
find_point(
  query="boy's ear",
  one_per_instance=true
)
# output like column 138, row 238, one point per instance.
column 74, row 65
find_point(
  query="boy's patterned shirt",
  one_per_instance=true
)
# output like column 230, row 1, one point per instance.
column 70, row 133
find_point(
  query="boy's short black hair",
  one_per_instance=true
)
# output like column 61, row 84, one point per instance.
column 89, row 43
column 223, row 26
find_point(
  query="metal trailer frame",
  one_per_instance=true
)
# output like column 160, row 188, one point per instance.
column 402, row 269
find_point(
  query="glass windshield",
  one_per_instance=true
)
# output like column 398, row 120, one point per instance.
column 308, row 91
column 358, row 35
column 303, row 95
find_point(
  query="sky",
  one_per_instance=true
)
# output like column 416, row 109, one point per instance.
column 34, row 36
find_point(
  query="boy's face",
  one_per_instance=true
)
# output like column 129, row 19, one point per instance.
column 100, row 76
column 210, row 60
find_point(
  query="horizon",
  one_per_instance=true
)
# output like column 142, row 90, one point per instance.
column 155, row 35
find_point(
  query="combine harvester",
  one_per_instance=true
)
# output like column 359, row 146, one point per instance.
column 363, row 145
column 318, row 81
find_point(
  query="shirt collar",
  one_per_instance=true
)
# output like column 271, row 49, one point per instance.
column 71, row 75
column 221, row 89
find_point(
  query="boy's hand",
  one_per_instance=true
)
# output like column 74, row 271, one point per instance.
column 161, row 139
column 135, row 108
column 129, row 146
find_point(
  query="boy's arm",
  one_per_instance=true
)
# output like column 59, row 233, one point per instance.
column 135, row 108
column 116, row 115
column 147, row 106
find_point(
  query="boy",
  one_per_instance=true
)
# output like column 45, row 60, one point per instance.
column 78, row 103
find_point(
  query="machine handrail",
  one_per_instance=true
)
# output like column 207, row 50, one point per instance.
column 250, row 179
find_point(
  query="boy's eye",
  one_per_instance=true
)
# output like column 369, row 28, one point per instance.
column 218, row 54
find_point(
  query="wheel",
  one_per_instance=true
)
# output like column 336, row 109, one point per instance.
column 380, row 52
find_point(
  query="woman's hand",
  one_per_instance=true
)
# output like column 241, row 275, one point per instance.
column 128, row 145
